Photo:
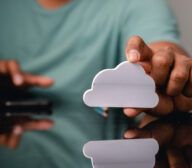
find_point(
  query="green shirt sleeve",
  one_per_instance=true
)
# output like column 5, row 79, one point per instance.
column 153, row 20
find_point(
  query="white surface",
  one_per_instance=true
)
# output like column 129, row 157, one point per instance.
column 138, row 153
column 125, row 86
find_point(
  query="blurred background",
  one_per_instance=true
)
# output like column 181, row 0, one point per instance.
column 182, row 9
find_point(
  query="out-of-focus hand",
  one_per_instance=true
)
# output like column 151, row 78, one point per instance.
column 175, row 140
column 171, row 69
column 12, row 129
column 22, row 79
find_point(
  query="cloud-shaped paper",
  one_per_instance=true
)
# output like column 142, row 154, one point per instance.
column 127, row 85
column 122, row 153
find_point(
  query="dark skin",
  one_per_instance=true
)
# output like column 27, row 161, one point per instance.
column 21, row 79
column 175, row 140
column 13, row 128
column 168, row 101
column 166, row 105
column 170, row 67
column 175, row 78
column 17, row 126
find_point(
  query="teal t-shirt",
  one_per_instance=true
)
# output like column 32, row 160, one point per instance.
column 71, row 44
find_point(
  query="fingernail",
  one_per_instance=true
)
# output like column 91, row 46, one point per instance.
column 133, row 56
column 125, row 110
column 17, row 130
column 130, row 134
column 18, row 79
column 129, row 112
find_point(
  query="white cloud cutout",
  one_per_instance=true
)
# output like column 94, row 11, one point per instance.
column 127, row 85
column 135, row 153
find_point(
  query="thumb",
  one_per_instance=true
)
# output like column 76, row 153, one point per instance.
column 137, row 50
column 36, row 80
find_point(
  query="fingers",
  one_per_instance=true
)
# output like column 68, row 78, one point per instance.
column 12, row 68
column 146, row 66
column 15, row 73
column 40, row 81
column 162, row 132
column 137, row 133
column 137, row 50
column 164, row 107
column 38, row 125
column 21, row 79
column 176, row 158
column 182, row 103
column 161, row 64
column 130, row 112
column 3, row 67
column 3, row 139
column 12, row 139
column 179, row 76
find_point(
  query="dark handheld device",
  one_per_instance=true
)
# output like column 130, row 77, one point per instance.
column 25, row 108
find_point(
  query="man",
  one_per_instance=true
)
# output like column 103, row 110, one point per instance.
column 70, row 41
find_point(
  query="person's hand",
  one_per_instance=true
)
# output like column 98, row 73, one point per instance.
column 169, row 65
column 171, row 69
column 175, row 140
column 12, row 129
column 19, row 78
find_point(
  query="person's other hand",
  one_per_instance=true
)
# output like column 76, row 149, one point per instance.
column 12, row 129
column 175, row 140
column 19, row 78
column 172, row 71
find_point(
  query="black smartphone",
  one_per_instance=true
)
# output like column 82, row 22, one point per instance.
column 10, row 108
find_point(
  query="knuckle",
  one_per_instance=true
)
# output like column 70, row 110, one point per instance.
column 179, row 76
column 161, row 61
